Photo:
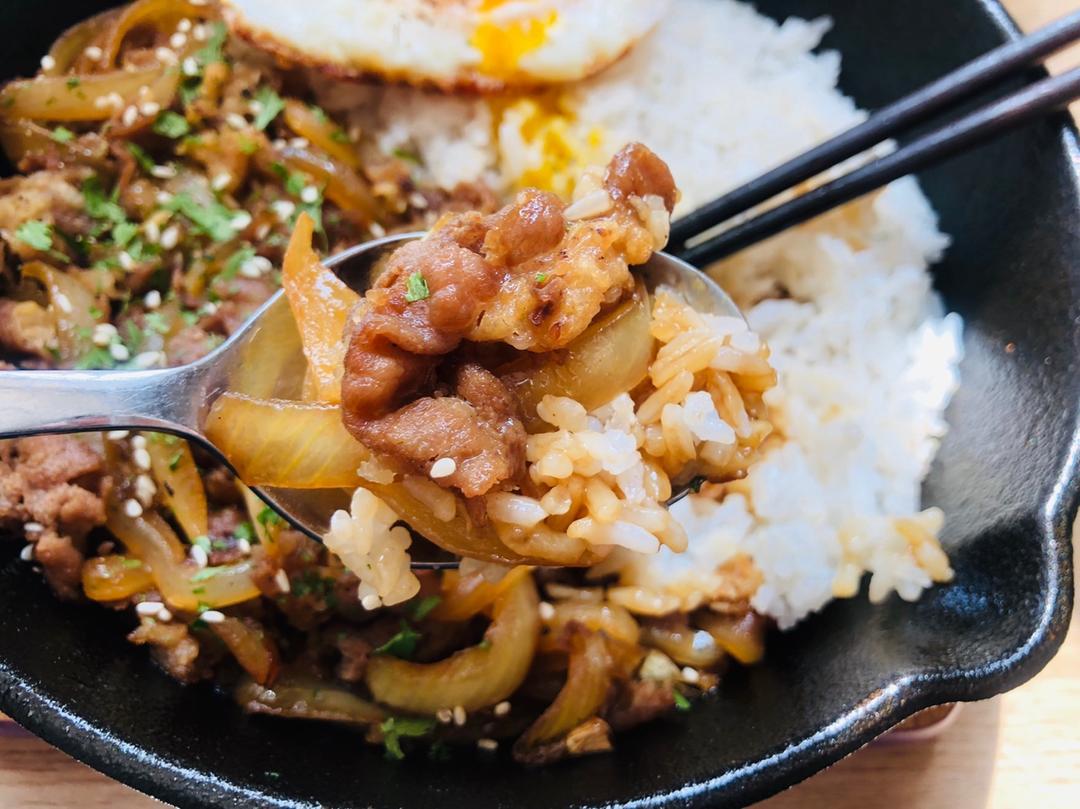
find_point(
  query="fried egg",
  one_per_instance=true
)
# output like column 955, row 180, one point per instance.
column 485, row 45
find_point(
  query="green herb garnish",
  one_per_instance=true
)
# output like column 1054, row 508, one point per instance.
column 403, row 644
column 62, row 135
column 146, row 163
column 73, row 82
column 397, row 728
column 236, row 261
column 214, row 49
column 99, row 206
column 174, row 461
column 123, row 233
column 541, row 278
column 424, row 606
column 416, row 288
column 244, row 530
column 171, row 124
column 208, row 573
column 339, row 136
column 268, row 517
column 270, row 106
column 131, row 564
column 681, row 702
column 202, row 541
column 213, row 219
column 35, row 233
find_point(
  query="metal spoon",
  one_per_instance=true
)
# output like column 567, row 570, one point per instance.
column 176, row 400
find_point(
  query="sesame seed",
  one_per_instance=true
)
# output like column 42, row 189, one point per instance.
column 418, row 200
column 377, row 230
column 139, row 442
column 444, row 715
column 33, row 527
column 170, row 237
column 547, row 612
column 279, row 143
column 199, row 32
column 310, row 194
column 27, row 553
column 126, row 261
column 255, row 106
column 165, row 56
column 487, row 745
column 145, row 489
column 149, row 608
column 299, row 143
column 184, row 25
column 199, row 556
column 690, row 675
column 281, row 578
column 149, row 108
column 164, row 615
column 212, row 616
column 117, row 435
column 144, row 91
column 221, row 181
column 444, row 467
column 101, row 102
column 93, row 53
column 152, row 299
column 119, row 352
column 199, row 2
column 283, row 209
column 162, row 198
column 502, row 709
column 103, row 334
column 178, row 40
column 240, row 220
column 190, row 67
column 236, row 120
column 459, row 715
column 152, row 230
column 209, row 308
column 163, row 172
column 115, row 100
column 243, row 546
column 141, row 456
column 131, row 114
column 47, row 62
column 133, row 508
column 62, row 300
column 371, row 602
column 262, row 231
column 148, row 359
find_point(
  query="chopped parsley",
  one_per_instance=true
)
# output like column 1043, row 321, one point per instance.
column 208, row 573
column 62, row 135
column 123, row 233
column 95, row 359
column 406, row 154
column 212, row 219
column 339, row 136
column 416, row 288
column 174, row 461
column 146, row 163
column 268, row 517
column 403, row 644
column 397, row 728
column 103, row 208
column 171, row 124
column 248, row 146
column 270, row 106
column 244, row 530
column 157, row 322
column 681, row 702
column 696, row 484
column 541, row 278
column 35, row 233
column 214, row 49
column 131, row 564
column 424, row 606
column 236, row 261
column 73, row 82
column 203, row 542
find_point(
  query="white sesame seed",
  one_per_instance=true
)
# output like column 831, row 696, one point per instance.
column 199, row 33
column 164, row 615
column 262, row 231
column 459, row 715
column 149, row 108
column 47, row 62
column 27, row 553
column 148, row 359
column 236, row 120
column 502, row 709
column 487, row 745
column 33, row 527
column 131, row 114
column 310, row 194
column 115, row 100
column 144, row 91
column 163, row 172
column 145, row 489
column 221, row 181
column 281, row 578
column 101, row 102
column 184, row 25
column 62, row 300
column 170, row 237
column 250, row 269
column 243, row 546
column 209, row 308
column 371, row 602
column 162, row 198
column 117, row 435
column 444, row 467
column 418, row 200
column 165, row 56
column 119, row 352
column 199, row 555
column 178, row 40
column 255, row 106
column 126, row 261
column 190, row 67
column 141, row 457
column 377, row 230
column 152, row 299
column 279, row 143
column 547, row 612
column 283, row 209
column 103, row 334
column 690, row 675
column 444, row 715
column 139, row 442
column 152, row 230
column 240, row 220
column 93, row 53
column 212, row 616
column 299, row 143
column 149, row 608
column 133, row 508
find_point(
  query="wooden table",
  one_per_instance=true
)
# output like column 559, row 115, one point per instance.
column 1020, row 749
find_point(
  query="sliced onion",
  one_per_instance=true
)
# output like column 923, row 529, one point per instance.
column 298, row 697
column 252, row 647
column 466, row 596
column 321, row 304
column 741, row 636
column 473, row 678
column 270, row 365
column 179, row 483
column 20, row 138
column 611, row 619
column 684, row 645
column 70, row 306
column 163, row 13
column 341, row 185
column 66, row 98
column 321, row 132
column 114, row 578
column 71, row 44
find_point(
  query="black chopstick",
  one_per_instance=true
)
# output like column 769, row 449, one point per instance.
column 1007, row 113
column 887, row 123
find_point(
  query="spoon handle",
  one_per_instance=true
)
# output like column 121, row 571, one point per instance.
column 36, row 402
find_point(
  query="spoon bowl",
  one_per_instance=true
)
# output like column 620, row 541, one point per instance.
column 177, row 400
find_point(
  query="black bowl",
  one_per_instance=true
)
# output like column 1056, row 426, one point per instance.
column 1005, row 476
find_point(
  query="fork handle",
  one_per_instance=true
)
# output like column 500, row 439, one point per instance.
column 36, row 402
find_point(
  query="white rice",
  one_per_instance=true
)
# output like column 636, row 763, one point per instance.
column 866, row 356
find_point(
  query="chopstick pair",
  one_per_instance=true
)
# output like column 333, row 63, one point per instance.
column 689, row 239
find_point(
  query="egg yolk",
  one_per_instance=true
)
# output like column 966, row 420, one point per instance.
column 503, row 43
